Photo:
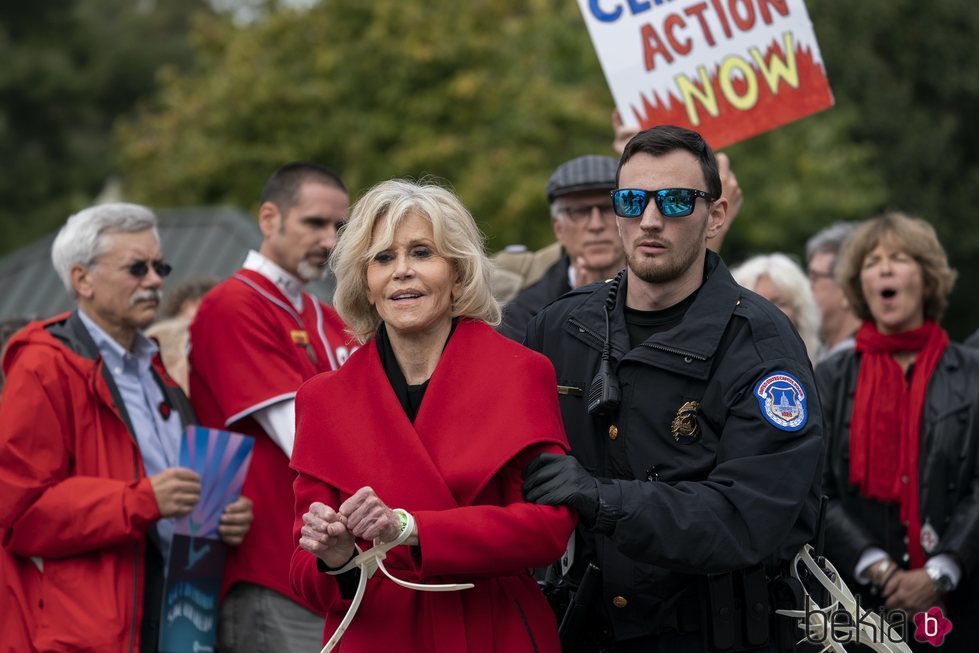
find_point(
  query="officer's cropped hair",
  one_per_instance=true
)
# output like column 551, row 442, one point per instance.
column 664, row 139
column 457, row 239
column 914, row 237
column 830, row 239
column 282, row 188
column 82, row 240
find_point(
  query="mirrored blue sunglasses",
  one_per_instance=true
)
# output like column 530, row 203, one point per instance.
column 671, row 202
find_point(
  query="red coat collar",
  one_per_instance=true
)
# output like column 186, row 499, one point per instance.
column 486, row 402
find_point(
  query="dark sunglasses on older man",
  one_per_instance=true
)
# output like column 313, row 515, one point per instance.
column 140, row 269
column 671, row 202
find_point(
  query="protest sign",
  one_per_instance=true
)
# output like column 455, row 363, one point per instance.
column 729, row 69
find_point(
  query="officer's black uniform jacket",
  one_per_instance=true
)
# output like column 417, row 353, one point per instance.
column 519, row 310
column 948, row 473
column 746, row 492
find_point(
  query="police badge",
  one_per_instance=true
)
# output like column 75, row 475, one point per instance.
column 686, row 429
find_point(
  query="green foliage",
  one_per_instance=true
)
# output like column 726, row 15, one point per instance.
column 799, row 179
column 902, row 136
column 70, row 67
column 907, row 70
column 489, row 96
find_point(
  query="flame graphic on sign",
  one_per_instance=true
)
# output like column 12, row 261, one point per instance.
column 731, row 124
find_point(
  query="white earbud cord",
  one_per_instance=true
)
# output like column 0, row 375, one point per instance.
column 369, row 562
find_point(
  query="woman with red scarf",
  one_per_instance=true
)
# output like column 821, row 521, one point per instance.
column 902, row 420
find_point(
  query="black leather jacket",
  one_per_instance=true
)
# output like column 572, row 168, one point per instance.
column 742, row 493
column 948, row 468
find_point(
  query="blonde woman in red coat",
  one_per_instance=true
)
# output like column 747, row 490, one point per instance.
column 437, row 415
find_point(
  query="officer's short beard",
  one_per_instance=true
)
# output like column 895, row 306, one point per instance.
column 664, row 271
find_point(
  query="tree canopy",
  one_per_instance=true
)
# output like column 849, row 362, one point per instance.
column 489, row 96
column 905, row 70
column 71, row 67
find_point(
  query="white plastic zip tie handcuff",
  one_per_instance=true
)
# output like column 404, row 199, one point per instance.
column 866, row 628
column 370, row 561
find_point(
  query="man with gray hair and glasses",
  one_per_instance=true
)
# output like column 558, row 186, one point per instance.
column 838, row 323
column 90, row 426
column 584, row 224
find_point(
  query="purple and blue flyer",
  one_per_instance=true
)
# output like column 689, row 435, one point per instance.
column 196, row 565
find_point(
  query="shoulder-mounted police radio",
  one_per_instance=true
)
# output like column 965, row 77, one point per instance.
column 603, row 393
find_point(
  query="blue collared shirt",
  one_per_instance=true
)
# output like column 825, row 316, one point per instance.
column 158, row 438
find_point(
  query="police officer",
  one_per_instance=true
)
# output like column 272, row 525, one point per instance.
column 693, row 419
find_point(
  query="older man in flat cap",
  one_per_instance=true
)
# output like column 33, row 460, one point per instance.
column 584, row 224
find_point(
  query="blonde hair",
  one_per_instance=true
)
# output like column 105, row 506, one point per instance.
column 913, row 236
column 793, row 284
column 457, row 239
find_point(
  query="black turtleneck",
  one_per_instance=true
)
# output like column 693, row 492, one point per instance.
column 410, row 396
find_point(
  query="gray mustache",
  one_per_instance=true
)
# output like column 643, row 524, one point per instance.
column 148, row 294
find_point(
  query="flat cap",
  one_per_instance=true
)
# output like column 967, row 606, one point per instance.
column 589, row 172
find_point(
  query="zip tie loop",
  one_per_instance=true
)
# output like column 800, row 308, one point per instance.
column 369, row 562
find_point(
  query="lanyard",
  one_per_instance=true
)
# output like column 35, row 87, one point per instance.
column 295, row 316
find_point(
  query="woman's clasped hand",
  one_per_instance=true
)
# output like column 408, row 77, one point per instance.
column 330, row 534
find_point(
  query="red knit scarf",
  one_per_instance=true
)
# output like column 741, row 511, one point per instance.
column 886, row 422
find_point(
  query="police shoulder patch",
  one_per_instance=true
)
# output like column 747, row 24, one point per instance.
column 782, row 401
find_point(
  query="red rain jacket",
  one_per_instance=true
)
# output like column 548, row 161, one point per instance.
column 75, row 502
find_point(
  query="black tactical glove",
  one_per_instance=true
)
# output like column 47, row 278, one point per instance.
column 555, row 479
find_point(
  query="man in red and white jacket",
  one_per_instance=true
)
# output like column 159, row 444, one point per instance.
column 255, row 339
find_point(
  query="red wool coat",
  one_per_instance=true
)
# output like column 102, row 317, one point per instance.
column 490, row 406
